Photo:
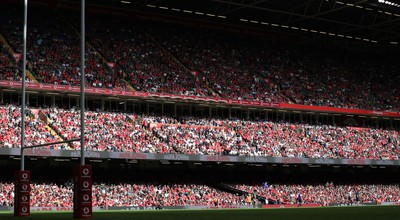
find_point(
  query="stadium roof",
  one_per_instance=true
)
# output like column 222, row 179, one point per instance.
column 374, row 21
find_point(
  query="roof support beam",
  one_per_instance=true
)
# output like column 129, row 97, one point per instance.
column 319, row 13
column 241, row 6
column 374, row 24
column 293, row 10
column 390, row 37
column 315, row 17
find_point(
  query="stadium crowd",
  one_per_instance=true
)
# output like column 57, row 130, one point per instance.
column 8, row 69
column 215, row 62
column 182, row 194
column 148, row 67
column 217, row 65
column 278, row 139
column 199, row 140
column 125, row 194
column 313, row 78
column 122, row 132
column 186, row 60
column 35, row 130
column 241, row 67
column 324, row 194
column 318, row 141
column 161, row 195
column 53, row 51
column 105, row 131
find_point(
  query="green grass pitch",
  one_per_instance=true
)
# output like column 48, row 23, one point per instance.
column 323, row 213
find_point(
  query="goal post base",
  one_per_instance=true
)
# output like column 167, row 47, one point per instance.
column 22, row 191
column 83, row 181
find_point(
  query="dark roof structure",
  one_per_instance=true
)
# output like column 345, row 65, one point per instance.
column 374, row 21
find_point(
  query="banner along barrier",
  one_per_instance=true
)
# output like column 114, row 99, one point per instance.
column 132, row 208
column 390, row 203
column 196, row 158
column 289, row 206
column 352, row 204
column 127, row 208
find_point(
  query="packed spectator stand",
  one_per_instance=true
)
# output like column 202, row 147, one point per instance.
column 122, row 132
column 147, row 66
column 53, row 52
column 282, row 139
column 125, row 194
column 216, row 64
column 35, row 130
column 47, row 194
column 8, row 69
column 323, row 194
column 181, row 59
column 105, row 131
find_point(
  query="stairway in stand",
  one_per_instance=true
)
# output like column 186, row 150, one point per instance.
column 10, row 50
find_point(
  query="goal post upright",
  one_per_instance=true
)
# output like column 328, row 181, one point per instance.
column 23, row 108
column 83, row 175
column 22, row 176
column 82, row 82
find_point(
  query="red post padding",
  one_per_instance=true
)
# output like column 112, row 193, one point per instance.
column 22, row 191
column 83, row 191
